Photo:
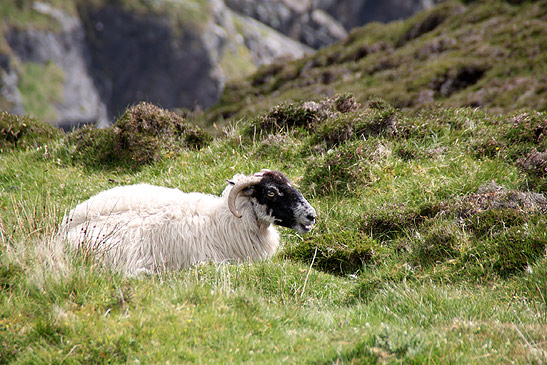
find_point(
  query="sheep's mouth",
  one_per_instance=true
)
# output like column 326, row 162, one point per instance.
column 304, row 228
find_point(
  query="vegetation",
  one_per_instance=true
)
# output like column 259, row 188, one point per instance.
column 427, row 247
column 20, row 132
column 41, row 86
column 144, row 134
column 431, row 238
column 488, row 54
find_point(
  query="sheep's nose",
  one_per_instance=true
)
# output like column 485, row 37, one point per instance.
column 311, row 218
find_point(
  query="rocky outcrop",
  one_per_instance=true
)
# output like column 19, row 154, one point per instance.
column 300, row 20
column 81, row 101
column 10, row 97
column 320, row 22
column 113, row 56
column 265, row 44
column 353, row 13
column 141, row 57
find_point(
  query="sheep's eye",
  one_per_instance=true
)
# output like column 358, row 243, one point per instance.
column 271, row 194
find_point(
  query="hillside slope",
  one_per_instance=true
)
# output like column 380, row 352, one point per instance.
column 430, row 244
column 490, row 54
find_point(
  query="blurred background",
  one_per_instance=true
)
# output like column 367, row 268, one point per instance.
column 71, row 62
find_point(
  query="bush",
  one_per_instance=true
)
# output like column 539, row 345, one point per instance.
column 23, row 131
column 302, row 115
column 285, row 117
column 144, row 134
column 378, row 119
column 344, row 169
column 437, row 244
column 338, row 253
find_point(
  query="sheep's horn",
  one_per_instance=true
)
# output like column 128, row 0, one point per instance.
column 238, row 187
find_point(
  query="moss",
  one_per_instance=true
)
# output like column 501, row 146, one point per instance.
column 10, row 275
column 41, row 86
column 340, row 170
column 22, row 14
column 338, row 253
column 237, row 62
column 284, row 117
column 23, row 131
column 378, row 119
column 144, row 134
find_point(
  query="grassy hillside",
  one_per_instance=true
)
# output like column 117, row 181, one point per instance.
column 430, row 244
column 488, row 54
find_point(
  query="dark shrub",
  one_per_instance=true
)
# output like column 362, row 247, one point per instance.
column 286, row 117
column 144, row 134
column 337, row 253
column 307, row 115
column 340, row 170
column 378, row 119
column 23, row 131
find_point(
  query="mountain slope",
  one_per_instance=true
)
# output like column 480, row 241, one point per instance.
column 488, row 54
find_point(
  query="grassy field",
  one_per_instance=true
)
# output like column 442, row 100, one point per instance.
column 431, row 239
column 417, row 256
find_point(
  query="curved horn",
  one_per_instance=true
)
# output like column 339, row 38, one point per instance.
column 238, row 187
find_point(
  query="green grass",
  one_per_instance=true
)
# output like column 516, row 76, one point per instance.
column 430, row 243
column 415, row 257
column 41, row 86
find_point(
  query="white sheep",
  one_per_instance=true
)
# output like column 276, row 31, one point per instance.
column 145, row 228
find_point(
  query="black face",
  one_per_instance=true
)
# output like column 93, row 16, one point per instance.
column 277, row 201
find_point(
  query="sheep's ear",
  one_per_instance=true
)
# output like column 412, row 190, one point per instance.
column 230, row 182
column 248, row 191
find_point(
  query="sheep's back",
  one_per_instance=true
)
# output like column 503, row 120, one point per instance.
column 140, row 200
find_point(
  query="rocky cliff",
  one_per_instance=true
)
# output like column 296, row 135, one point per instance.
column 317, row 23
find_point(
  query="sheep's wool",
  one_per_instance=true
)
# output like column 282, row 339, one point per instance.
column 146, row 228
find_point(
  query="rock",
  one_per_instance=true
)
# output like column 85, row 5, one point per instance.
column 112, row 56
column 353, row 13
column 299, row 20
column 142, row 57
column 321, row 22
column 10, row 97
column 267, row 45
column 81, row 101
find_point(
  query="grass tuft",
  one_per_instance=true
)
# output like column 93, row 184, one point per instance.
column 24, row 132
column 340, row 253
column 144, row 134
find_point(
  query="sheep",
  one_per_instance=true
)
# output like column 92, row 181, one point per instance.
column 149, row 229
